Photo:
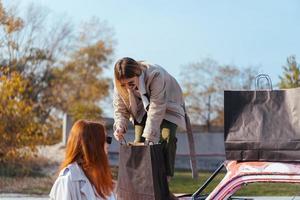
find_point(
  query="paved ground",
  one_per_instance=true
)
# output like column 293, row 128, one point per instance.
column 21, row 196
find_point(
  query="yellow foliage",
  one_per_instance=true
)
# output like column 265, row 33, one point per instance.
column 18, row 128
column 63, row 74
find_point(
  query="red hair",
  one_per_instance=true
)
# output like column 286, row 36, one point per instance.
column 86, row 147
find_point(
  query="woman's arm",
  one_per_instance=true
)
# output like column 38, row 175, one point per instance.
column 157, row 107
column 121, row 113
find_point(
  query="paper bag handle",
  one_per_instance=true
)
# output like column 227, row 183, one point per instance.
column 257, row 78
column 260, row 76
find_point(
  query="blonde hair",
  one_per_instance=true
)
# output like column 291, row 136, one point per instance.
column 125, row 68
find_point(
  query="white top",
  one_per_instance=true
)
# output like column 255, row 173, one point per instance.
column 72, row 184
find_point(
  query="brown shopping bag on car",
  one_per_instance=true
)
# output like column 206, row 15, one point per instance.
column 262, row 125
column 142, row 174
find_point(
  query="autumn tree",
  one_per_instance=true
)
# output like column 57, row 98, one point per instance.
column 79, row 83
column 64, row 65
column 203, row 84
column 291, row 74
column 61, row 66
column 18, row 125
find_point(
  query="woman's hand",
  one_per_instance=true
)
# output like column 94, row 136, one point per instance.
column 148, row 142
column 119, row 134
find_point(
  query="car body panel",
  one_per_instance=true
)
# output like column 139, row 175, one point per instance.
column 241, row 173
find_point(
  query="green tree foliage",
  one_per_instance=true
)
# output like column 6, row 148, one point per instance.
column 291, row 74
column 58, row 67
column 203, row 84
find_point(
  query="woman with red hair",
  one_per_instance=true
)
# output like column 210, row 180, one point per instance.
column 85, row 173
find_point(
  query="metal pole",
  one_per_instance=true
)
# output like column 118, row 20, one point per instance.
column 67, row 125
column 193, row 159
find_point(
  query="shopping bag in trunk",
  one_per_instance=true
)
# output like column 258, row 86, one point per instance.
column 262, row 125
column 142, row 174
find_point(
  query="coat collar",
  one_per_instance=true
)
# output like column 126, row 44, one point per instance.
column 143, row 94
column 142, row 87
column 75, row 171
column 77, row 174
column 142, row 90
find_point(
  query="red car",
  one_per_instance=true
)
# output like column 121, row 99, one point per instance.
column 241, row 173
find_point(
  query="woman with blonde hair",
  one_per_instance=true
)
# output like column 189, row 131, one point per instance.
column 85, row 173
column 152, row 99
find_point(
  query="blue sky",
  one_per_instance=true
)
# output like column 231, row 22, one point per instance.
column 174, row 33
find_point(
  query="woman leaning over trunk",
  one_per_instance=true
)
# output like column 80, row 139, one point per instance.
column 152, row 99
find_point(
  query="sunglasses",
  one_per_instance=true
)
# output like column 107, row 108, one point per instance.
column 108, row 139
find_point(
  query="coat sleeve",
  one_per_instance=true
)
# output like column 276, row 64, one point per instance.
column 157, row 107
column 121, row 113
column 62, row 189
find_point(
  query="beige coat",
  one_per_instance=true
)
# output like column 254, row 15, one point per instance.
column 73, row 184
column 161, row 97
